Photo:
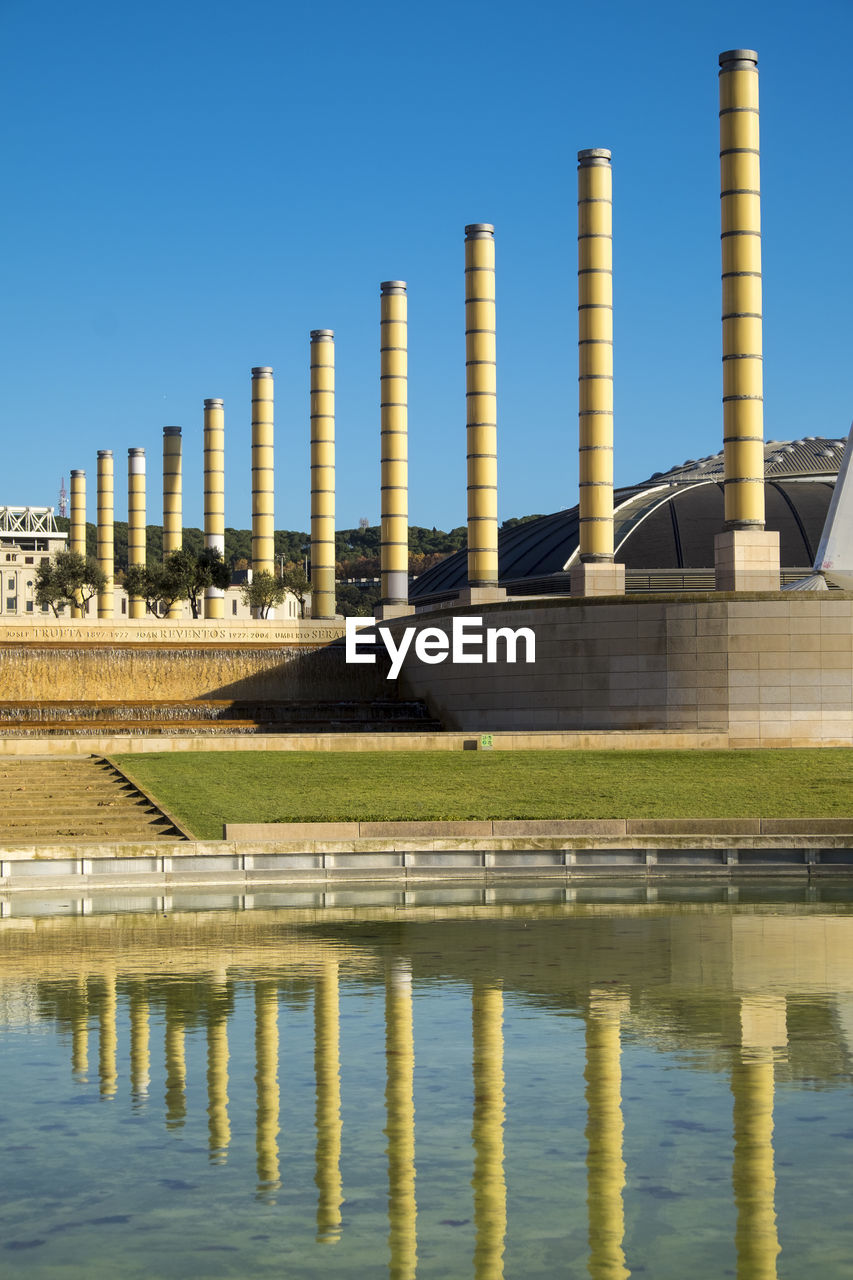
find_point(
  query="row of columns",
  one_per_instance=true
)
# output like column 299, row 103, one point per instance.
column 746, row 555
column 763, row 1034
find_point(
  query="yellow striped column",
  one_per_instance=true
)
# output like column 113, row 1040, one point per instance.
column 487, row 1133
column 106, row 533
column 176, row 1069
column 753, row 1173
column 596, row 573
column 263, row 476
column 77, row 524
column 107, row 1037
column 214, row 495
column 136, row 520
column 140, row 1054
column 481, row 414
column 80, row 1030
column 747, row 556
column 400, row 1131
column 327, row 1070
column 173, row 529
column 322, row 473
column 394, row 425
column 218, row 1124
column 266, row 1084
column 604, row 1129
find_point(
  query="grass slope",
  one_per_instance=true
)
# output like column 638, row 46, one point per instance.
column 205, row 789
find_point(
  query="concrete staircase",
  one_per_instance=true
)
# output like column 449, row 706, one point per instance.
column 81, row 798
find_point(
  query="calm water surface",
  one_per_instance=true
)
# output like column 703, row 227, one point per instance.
column 608, row 1086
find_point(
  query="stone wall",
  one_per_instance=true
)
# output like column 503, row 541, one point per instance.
column 774, row 669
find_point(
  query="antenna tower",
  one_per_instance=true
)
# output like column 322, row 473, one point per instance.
column 63, row 498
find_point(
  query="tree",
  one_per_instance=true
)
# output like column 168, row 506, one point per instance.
column 263, row 593
column 159, row 585
column 68, row 578
column 188, row 574
column 296, row 581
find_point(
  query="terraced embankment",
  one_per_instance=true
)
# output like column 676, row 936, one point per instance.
column 80, row 798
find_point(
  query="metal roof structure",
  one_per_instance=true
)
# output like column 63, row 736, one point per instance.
column 666, row 523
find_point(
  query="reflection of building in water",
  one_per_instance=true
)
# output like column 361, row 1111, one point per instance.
column 327, row 1066
column 743, row 966
column 400, row 1130
column 605, row 1165
column 488, row 1132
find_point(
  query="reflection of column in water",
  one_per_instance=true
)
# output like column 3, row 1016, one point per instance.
column 219, row 1129
column 266, row 1082
column 605, row 1166
column 400, row 1106
column 327, row 1070
column 140, row 1057
column 107, row 1036
column 176, row 1070
column 489, row 1182
column 753, row 1175
column 80, row 1030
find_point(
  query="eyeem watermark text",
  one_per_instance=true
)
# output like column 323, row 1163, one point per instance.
column 469, row 641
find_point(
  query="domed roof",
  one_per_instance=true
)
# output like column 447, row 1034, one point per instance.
column 667, row 522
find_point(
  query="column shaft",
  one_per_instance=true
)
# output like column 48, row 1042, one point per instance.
column 136, row 520
column 172, row 501
column 489, row 1180
column 77, row 529
column 327, row 1070
column 400, row 1131
column 214, row 496
column 266, row 1083
column 481, row 402
column 605, row 1165
column 263, row 476
column 322, row 473
column 394, row 411
column 106, row 535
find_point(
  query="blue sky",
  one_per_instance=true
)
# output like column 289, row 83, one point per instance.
column 191, row 187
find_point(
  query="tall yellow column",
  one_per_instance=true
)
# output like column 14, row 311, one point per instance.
column 173, row 529
column 140, row 1054
column 327, row 1071
column 266, row 1084
column 394, row 427
column 481, row 415
column 107, row 1036
column 322, row 473
column 746, row 555
column 176, row 1069
column 136, row 520
column 400, row 1131
column 77, row 529
column 214, row 496
column 596, row 573
column 218, row 1124
column 605, row 1166
column 263, row 476
column 489, row 1180
column 106, row 536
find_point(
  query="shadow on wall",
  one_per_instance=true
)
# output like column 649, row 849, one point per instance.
column 86, row 673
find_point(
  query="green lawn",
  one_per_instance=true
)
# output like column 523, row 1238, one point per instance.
column 205, row 789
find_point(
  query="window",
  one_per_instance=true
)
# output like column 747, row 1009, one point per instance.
column 29, row 559
column 29, row 606
column 11, row 582
column 234, row 607
column 12, row 604
column 123, row 605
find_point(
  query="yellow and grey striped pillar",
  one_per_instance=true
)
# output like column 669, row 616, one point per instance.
column 214, row 495
column 263, row 476
column 481, row 414
column 604, row 1129
column 266, row 1084
column 140, row 1055
column 80, row 1030
column 487, row 1133
column 218, row 1124
column 322, row 473
column 176, row 1068
column 327, row 1070
column 747, row 556
column 394, row 424
column 400, row 1131
column 136, row 521
column 173, row 529
column 753, row 1173
column 595, row 573
column 107, row 1036
column 77, row 524
column 106, row 534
